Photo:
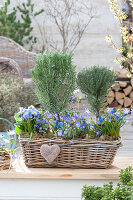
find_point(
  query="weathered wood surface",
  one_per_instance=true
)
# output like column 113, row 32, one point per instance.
column 60, row 173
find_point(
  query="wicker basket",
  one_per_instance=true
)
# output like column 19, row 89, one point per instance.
column 73, row 154
column 5, row 160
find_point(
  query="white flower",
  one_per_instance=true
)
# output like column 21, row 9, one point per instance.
column 11, row 132
column 126, row 111
column 87, row 111
column 31, row 107
column 6, row 141
column 117, row 113
column 76, row 91
column 21, row 109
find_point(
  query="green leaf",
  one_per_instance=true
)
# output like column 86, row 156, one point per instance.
column 17, row 117
column 38, row 13
column 18, row 130
column 30, row 137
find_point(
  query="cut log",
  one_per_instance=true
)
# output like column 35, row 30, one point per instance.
column 110, row 100
column 127, row 102
column 131, row 95
column 110, row 97
column 132, row 82
column 123, row 84
column 111, row 94
column 112, row 87
column 121, row 102
column 114, row 104
column 117, row 87
column 123, row 75
column 128, row 90
column 119, row 95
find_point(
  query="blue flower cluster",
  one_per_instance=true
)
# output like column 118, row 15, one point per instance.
column 31, row 120
column 110, row 123
column 70, row 124
column 73, row 99
column 26, row 113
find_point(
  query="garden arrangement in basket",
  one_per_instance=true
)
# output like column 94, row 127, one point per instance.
column 8, row 152
column 57, row 135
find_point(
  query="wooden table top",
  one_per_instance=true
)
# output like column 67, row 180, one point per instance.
column 21, row 172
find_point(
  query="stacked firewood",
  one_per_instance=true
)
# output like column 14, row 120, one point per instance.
column 121, row 94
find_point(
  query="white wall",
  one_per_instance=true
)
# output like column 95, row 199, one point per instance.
column 93, row 49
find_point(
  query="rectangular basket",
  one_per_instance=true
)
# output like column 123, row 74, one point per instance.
column 73, row 154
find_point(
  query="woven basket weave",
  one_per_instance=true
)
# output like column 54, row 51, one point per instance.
column 4, row 160
column 74, row 154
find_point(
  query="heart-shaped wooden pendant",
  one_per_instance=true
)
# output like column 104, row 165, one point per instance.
column 50, row 153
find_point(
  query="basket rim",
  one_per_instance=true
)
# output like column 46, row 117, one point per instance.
column 81, row 141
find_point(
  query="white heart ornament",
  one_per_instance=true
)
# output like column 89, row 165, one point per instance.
column 50, row 153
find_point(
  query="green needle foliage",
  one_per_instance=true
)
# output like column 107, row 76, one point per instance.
column 54, row 76
column 95, row 83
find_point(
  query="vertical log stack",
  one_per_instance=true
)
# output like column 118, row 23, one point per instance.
column 121, row 94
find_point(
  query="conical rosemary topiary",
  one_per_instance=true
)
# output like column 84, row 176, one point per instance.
column 95, row 83
column 55, row 77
